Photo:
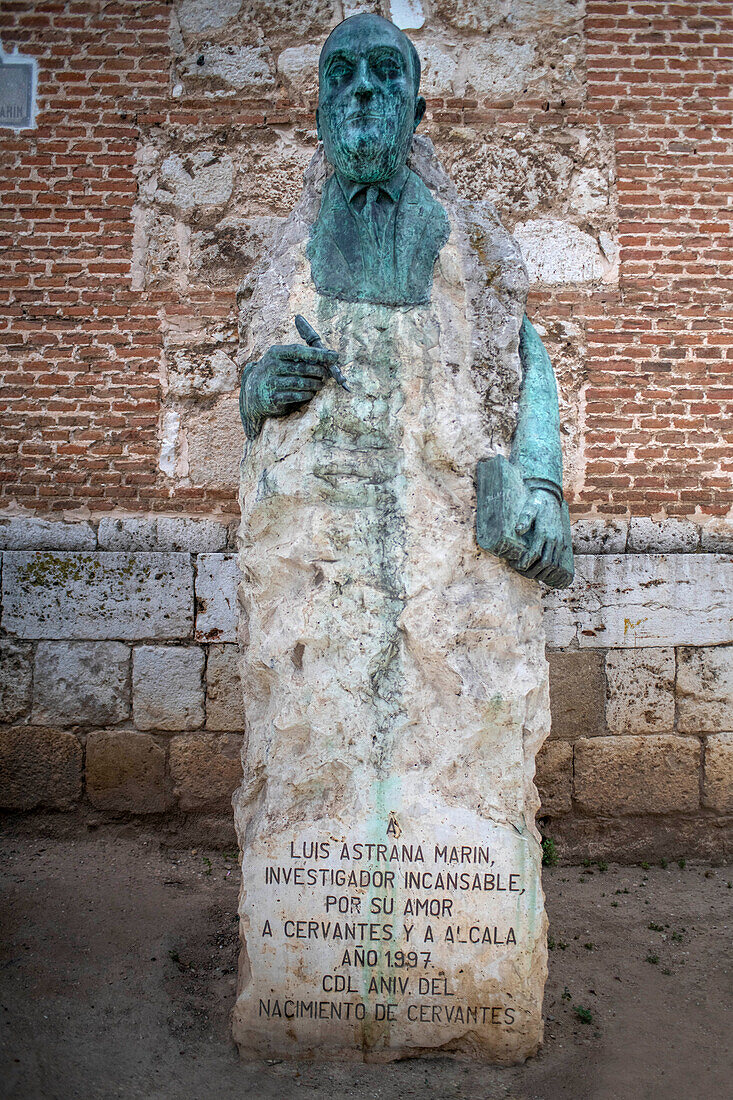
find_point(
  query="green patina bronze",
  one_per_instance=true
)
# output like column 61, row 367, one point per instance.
column 379, row 230
column 376, row 239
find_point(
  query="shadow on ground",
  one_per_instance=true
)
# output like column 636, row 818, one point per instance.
column 118, row 971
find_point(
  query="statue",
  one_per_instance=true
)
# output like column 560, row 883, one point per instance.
column 376, row 239
column 394, row 677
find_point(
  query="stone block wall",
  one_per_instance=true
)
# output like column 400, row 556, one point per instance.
column 120, row 697
column 119, row 692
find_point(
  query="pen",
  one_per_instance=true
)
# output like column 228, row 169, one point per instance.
column 313, row 340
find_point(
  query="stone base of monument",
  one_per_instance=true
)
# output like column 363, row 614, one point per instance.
column 419, row 929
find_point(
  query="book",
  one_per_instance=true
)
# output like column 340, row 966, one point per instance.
column 501, row 497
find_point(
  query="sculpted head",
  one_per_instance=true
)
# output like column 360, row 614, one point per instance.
column 368, row 102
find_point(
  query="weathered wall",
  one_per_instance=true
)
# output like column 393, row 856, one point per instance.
column 119, row 694
column 171, row 137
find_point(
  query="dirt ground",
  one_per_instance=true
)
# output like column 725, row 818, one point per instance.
column 117, row 974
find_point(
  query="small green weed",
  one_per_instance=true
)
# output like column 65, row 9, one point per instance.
column 549, row 852
column 584, row 1014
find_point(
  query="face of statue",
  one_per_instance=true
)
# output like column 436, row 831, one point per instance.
column 368, row 106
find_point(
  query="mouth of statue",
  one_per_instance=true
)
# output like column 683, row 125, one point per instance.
column 363, row 116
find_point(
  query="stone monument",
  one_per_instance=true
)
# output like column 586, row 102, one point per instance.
column 401, row 493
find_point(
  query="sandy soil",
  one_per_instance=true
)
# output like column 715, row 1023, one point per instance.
column 117, row 973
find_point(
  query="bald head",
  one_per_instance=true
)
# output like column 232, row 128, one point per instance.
column 368, row 102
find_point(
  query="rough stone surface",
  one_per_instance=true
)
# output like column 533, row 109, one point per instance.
column 557, row 252
column 223, row 689
column 16, row 678
column 205, row 15
column 214, row 440
column 28, row 533
column 205, row 179
column 577, row 694
column 126, row 773
column 717, row 536
column 205, row 771
column 39, row 768
column 555, row 778
column 559, row 172
column 643, row 600
column 201, row 375
column 167, row 687
column 403, row 669
column 531, row 15
column 718, row 783
column 600, row 535
column 666, row 536
column 637, row 775
column 222, row 255
column 225, row 69
column 640, row 690
column 169, row 533
column 126, row 596
column 217, row 577
column 81, row 682
column 298, row 66
column 705, row 689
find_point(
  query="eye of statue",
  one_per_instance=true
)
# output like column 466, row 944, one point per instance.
column 340, row 69
column 387, row 65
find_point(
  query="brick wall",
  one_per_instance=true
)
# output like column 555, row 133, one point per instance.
column 170, row 139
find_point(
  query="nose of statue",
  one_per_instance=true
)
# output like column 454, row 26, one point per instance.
column 363, row 88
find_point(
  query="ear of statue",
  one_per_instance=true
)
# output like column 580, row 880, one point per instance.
column 318, row 124
column 420, row 106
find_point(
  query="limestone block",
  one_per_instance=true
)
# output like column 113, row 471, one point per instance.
column 167, row 687
column 718, row 782
column 408, row 15
column 717, row 536
column 705, row 689
column 562, row 172
column 215, row 438
column 81, row 682
column 278, row 158
column 221, row 255
column 630, row 600
column 522, row 15
column 204, row 15
column 224, row 706
column 228, row 68
column 29, row 533
column 203, row 179
column 653, row 774
column 160, row 247
column 554, row 778
column 202, row 374
column 640, row 690
column 557, row 252
column 16, row 676
column 39, row 768
column 577, row 694
column 205, row 771
column 176, row 534
column 103, row 595
column 217, row 577
column 125, row 772
column 439, row 72
column 600, row 535
column 296, row 20
column 298, row 67
column 666, row 536
column 498, row 68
